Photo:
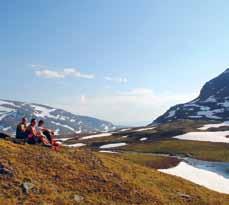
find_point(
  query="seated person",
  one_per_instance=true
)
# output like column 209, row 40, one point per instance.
column 45, row 131
column 31, row 133
column 40, row 133
column 47, row 134
column 21, row 129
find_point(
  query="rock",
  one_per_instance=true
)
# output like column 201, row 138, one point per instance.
column 4, row 171
column 185, row 196
column 27, row 186
column 78, row 198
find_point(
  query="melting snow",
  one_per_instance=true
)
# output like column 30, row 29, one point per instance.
column 63, row 139
column 210, row 99
column 6, row 109
column 202, row 177
column 125, row 136
column 144, row 129
column 205, row 127
column 43, row 111
column 96, row 136
column 107, row 146
column 2, row 102
column 65, row 126
column 210, row 114
column 171, row 113
column 195, row 116
column 143, row 139
column 108, row 151
column 224, row 104
column 123, row 130
column 205, row 136
column 6, row 129
column 3, row 116
column 76, row 145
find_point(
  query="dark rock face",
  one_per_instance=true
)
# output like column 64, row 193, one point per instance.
column 212, row 103
column 59, row 120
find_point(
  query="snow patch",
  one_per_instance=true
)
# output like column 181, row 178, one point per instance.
column 205, row 136
column 205, row 127
column 76, row 145
column 113, row 145
column 108, row 151
column 171, row 113
column 211, row 99
column 143, row 139
column 65, row 126
column 202, row 177
column 125, row 136
column 96, row 136
column 2, row 102
column 123, row 130
column 224, row 104
column 6, row 128
column 63, row 139
column 144, row 129
column 43, row 112
column 210, row 114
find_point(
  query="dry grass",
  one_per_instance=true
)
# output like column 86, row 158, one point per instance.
column 98, row 178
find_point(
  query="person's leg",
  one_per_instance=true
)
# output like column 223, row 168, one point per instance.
column 48, row 135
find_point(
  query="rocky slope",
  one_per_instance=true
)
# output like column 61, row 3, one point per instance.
column 59, row 120
column 212, row 103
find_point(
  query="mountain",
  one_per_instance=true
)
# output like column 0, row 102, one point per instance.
column 59, row 120
column 212, row 103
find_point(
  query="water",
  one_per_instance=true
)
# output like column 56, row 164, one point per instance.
column 221, row 168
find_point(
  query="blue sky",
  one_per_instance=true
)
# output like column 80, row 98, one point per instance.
column 123, row 61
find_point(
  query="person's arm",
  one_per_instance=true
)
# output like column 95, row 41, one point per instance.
column 23, row 128
column 33, row 131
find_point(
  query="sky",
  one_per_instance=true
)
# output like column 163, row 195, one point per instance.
column 121, row 61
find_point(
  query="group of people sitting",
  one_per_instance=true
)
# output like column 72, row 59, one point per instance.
column 34, row 133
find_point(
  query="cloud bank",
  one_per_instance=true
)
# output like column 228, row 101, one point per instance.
column 49, row 72
column 140, row 105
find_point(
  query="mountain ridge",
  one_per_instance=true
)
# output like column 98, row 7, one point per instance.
column 211, row 104
column 57, row 119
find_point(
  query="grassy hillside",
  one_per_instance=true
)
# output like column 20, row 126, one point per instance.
column 79, row 176
column 200, row 150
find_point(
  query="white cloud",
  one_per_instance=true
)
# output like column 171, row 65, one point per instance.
column 117, row 80
column 131, row 107
column 49, row 74
column 66, row 72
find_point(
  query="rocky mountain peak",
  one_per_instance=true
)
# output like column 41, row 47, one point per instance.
column 211, row 104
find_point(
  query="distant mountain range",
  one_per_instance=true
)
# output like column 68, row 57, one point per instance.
column 59, row 120
column 212, row 103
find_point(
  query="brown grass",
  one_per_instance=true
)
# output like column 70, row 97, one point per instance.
column 98, row 178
